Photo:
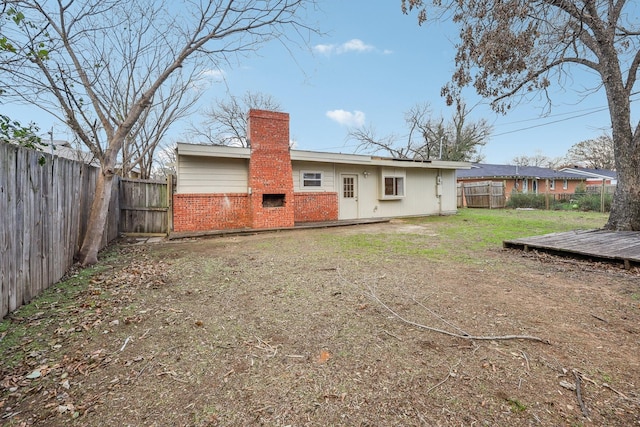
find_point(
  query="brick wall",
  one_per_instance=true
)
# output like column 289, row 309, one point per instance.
column 311, row 207
column 270, row 169
column 197, row 212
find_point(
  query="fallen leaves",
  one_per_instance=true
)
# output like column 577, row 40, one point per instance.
column 323, row 357
column 69, row 323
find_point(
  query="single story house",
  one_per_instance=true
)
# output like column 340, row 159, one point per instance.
column 594, row 176
column 523, row 179
column 270, row 185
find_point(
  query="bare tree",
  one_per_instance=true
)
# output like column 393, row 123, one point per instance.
column 428, row 138
column 538, row 159
column 465, row 139
column 594, row 153
column 225, row 122
column 370, row 141
column 511, row 48
column 80, row 57
column 175, row 101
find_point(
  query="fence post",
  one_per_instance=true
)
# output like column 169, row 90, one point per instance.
column 169, row 203
column 602, row 196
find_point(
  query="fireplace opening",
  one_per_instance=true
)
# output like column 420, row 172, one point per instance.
column 272, row 200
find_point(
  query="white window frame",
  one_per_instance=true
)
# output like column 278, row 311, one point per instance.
column 565, row 184
column 319, row 180
column 399, row 177
column 397, row 188
column 552, row 185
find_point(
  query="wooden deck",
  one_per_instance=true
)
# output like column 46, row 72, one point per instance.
column 600, row 245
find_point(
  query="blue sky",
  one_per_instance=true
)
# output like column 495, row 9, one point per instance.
column 372, row 65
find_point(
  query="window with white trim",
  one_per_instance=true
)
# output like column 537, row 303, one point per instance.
column 311, row 179
column 393, row 186
column 565, row 184
column 392, row 183
column 552, row 184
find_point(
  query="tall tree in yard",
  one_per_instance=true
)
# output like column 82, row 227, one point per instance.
column 69, row 59
column 594, row 153
column 509, row 48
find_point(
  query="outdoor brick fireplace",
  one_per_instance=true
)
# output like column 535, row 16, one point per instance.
column 270, row 172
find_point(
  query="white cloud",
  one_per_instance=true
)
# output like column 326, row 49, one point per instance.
column 324, row 49
column 353, row 45
column 347, row 118
column 215, row 74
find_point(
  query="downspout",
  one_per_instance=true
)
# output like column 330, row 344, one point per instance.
column 439, row 190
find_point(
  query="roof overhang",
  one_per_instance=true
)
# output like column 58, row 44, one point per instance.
column 586, row 174
column 201, row 150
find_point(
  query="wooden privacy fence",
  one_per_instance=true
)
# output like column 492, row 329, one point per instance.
column 44, row 210
column 486, row 194
column 145, row 206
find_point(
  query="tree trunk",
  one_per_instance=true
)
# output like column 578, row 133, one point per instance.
column 97, row 218
column 625, row 209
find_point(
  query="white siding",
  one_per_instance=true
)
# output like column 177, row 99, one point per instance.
column 328, row 176
column 420, row 192
column 449, row 192
column 212, row 175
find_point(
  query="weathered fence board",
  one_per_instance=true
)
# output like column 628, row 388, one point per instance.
column 486, row 194
column 44, row 211
column 144, row 206
column 596, row 244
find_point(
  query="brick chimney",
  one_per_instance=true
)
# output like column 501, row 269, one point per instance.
column 270, row 173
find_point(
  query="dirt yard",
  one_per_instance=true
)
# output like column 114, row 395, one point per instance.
column 355, row 326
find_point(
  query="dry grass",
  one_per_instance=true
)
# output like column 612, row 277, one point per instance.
column 281, row 329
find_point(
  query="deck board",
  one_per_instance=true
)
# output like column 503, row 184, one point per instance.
column 601, row 245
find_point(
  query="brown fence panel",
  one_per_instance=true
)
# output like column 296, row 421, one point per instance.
column 485, row 194
column 498, row 197
column 144, row 207
column 44, row 211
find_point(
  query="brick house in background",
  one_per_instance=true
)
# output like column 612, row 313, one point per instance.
column 523, row 179
column 271, row 186
column 594, row 176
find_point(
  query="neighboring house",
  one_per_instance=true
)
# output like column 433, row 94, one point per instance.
column 523, row 179
column 594, row 176
column 65, row 150
column 270, row 185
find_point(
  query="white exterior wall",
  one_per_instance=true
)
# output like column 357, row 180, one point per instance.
column 420, row 196
column 216, row 170
column 204, row 175
column 449, row 199
column 328, row 176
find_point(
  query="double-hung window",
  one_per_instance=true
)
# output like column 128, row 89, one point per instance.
column 393, row 183
column 393, row 186
column 311, row 179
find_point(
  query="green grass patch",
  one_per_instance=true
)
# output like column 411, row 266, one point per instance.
column 23, row 331
column 482, row 228
column 516, row 405
column 459, row 236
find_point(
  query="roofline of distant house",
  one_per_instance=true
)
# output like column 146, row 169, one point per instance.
column 588, row 174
